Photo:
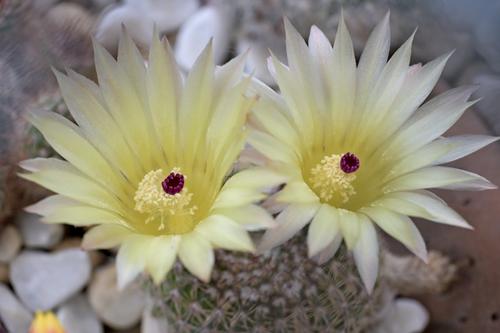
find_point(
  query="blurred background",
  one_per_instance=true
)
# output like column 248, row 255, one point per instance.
column 35, row 35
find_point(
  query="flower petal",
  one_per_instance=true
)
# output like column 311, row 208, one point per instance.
column 399, row 227
column 289, row 221
column 161, row 256
column 323, row 229
column 349, row 226
column 252, row 217
column 272, row 148
column 164, row 85
column 464, row 145
column 55, row 175
column 439, row 177
column 131, row 258
column 105, row 236
column 297, row 192
column 225, row 233
column 197, row 255
column 328, row 252
column 424, row 206
column 366, row 253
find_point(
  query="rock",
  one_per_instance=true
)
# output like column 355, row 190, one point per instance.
column 487, row 42
column 13, row 314
column 77, row 316
column 37, row 234
column 44, row 281
column 10, row 243
column 209, row 23
column 4, row 273
column 96, row 257
column 119, row 309
column 489, row 92
column 471, row 72
column 404, row 315
column 152, row 324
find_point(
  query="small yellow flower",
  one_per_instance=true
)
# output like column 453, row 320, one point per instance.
column 46, row 322
column 358, row 147
column 149, row 160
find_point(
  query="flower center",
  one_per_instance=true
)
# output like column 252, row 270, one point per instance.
column 332, row 177
column 163, row 198
column 349, row 163
column 173, row 184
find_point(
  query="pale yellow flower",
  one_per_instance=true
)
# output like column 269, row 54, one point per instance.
column 149, row 158
column 358, row 147
column 46, row 322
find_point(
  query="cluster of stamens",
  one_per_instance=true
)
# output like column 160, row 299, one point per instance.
column 161, row 197
column 333, row 175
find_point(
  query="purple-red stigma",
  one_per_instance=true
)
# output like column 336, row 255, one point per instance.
column 173, row 184
column 349, row 163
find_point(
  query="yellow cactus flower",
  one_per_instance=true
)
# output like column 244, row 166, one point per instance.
column 149, row 160
column 46, row 322
column 358, row 147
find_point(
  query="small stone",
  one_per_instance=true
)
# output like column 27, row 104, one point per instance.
column 4, row 273
column 13, row 314
column 38, row 234
column 489, row 91
column 152, row 324
column 119, row 309
column 77, row 316
column 10, row 243
column 96, row 257
column 404, row 315
column 486, row 40
column 44, row 280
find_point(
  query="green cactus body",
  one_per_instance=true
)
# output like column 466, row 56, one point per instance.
column 281, row 291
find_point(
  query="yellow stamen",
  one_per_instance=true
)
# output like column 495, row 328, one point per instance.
column 46, row 322
column 150, row 198
column 328, row 179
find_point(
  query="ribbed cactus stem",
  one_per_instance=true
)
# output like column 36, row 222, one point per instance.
column 281, row 291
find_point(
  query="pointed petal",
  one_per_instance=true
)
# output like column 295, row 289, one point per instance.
column 83, row 215
column 372, row 60
column 273, row 148
column 431, row 120
column 349, row 226
column 323, row 229
column 196, row 97
column 66, row 138
column 399, row 227
column 252, row 217
column 343, row 65
column 225, row 233
column 439, row 177
column 197, row 255
column 422, row 205
column 55, row 175
column 414, row 91
column 289, row 221
column 464, row 145
column 297, row 192
column 161, row 257
column 50, row 204
column 366, row 254
column 131, row 259
column 164, row 85
column 105, row 236
column 329, row 252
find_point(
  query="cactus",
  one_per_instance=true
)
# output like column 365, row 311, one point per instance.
column 281, row 291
